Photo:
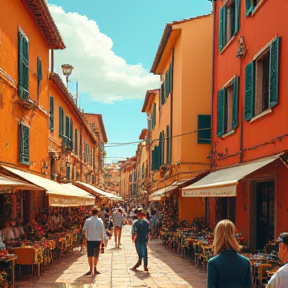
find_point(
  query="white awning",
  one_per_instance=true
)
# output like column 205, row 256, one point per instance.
column 10, row 183
column 223, row 183
column 156, row 195
column 59, row 196
column 98, row 191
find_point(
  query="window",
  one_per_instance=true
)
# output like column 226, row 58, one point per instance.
column 204, row 129
column 39, row 76
column 227, row 108
column 51, row 114
column 23, row 66
column 61, row 122
column 86, row 153
column 24, row 144
column 261, row 81
column 154, row 116
column 250, row 6
column 229, row 22
column 69, row 132
column 168, row 145
column 76, row 142
column 166, row 86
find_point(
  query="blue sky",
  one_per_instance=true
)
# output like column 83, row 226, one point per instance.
column 112, row 45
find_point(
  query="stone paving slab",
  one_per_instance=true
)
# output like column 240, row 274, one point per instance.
column 166, row 269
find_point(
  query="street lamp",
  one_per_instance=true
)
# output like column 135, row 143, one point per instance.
column 67, row 70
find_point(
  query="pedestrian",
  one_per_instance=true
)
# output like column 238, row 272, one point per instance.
column 280, row 278
column 140, row 230
column 95, row 237
column 118, row 219
column 228, row 269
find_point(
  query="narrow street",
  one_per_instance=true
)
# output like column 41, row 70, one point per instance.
column 166, row 269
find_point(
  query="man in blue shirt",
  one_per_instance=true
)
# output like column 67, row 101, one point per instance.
column 95, row 236
column 140, row 230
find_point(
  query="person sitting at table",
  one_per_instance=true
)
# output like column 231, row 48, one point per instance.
column 280, row 278
column 228, row 269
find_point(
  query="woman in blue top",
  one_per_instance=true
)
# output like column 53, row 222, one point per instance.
column 228, row 269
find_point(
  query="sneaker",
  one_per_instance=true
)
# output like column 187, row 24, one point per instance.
column 145, row 268
column 88, row 273
column 95, row 271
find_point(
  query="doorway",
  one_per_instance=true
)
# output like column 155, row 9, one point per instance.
column 265, row 200
column 225, row 208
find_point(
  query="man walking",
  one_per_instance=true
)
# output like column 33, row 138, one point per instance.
column 280, row 278
column 140, row 230
column 95, row 236
column 118, row 218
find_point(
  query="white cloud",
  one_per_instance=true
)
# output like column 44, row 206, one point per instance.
column 103, row 75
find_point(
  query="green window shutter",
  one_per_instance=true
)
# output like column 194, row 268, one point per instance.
column 249, row 91
column 222, row 27
column 39, row 76
column 71, row 134
column 154, row 116
column 161, row 148
column 171, row 77
column 76, row 142
column 249, row 7
column 235, row 101
column 220, row 112
column 23, row 67
column 24, row 144
column 204, row 129
column 274, row 71
column 61, row 121
column 51, row 112
column 237, row 15
column 168, row 145
column 67, row 127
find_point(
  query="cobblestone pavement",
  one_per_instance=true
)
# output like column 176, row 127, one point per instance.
column 166, row 269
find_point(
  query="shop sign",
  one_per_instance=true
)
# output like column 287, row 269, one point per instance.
column 224, row 191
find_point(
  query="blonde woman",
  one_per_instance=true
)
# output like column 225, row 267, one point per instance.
column 228, row 268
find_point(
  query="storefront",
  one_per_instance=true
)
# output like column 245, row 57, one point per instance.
column 249, row 195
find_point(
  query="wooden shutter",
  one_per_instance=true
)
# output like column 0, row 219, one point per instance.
column 171, row 78
column 24, row 144
column 274, row 71
column 220, row 112
column 222, row 28
column 161, row 161
column 39, row 76
column 51, row 113
column 67, row 127
column 235, row 102
column 71, row 134
column 237, row 16
column 23, row 67
column 249, row 7
column 168, row 145
column 76, row 142
column 249, row 91
column 204, row 129
column 61, row 121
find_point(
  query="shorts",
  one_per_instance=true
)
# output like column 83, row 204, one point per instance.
column 93, row 248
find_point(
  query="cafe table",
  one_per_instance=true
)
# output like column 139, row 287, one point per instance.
column 10, row 259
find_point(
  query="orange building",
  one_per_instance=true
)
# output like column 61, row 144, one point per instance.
column 27, row 32
column 249, row 131
column 180, row 111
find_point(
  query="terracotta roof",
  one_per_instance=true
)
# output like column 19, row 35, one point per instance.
column 61, row 86
column 164, row 40
column 143, row 134
column 147, row 98
column 39, row 11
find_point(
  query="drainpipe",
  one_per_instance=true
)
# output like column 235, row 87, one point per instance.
column 242, row 117
column 52, row 61
column 213, row 79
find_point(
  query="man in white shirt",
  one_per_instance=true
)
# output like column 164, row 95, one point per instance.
column 95, row 237
column 280, row 278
